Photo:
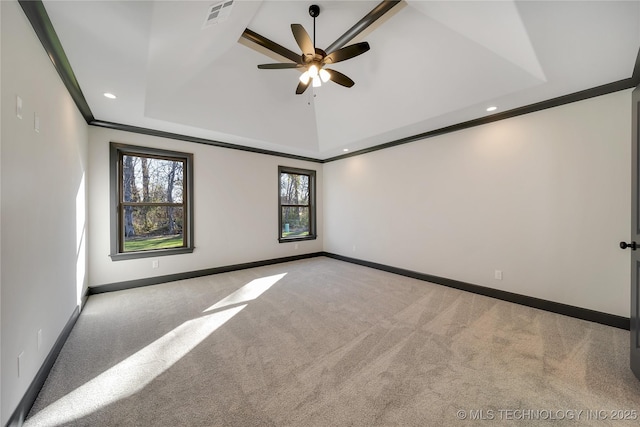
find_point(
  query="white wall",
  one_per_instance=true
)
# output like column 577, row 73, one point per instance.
column 1, row 419
column 235, row 206
column 43, row 262
column 543, row 197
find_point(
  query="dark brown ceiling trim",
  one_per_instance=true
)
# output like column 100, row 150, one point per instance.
column 37, row 15
column 629, row 83
column 271, row 45
column 180, row 137
column 39, row 19
column 635, row 77
column 555, row 102
column 376, row 13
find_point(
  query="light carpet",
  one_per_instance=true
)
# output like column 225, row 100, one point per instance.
column 321, row 342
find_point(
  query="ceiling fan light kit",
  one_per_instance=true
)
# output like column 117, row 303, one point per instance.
column 325, row 76
column 313, row 60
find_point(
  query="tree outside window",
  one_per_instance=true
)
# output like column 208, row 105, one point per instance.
column 296, row 204
column 152, row 202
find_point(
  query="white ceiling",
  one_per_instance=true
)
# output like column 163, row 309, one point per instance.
column 432, row 64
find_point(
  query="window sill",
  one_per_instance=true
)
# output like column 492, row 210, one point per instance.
column 296, row 239
column 149, row 254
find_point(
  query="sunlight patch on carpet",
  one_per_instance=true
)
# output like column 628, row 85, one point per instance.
column 248, row 292
column 134, row 373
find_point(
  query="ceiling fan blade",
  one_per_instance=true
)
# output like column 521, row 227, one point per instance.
column 264, row 42
column 279, row 66
column 302, row 87
column 346, row 52
column 303, row 40
column 341, row 79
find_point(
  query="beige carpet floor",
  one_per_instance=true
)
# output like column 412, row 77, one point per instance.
column 321, row 342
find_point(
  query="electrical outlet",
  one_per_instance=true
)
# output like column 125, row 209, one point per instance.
column 295, row 246
column 39, row 339
column 18, row 107
column 36, row 122
column 498, row 274
column 20, row 356
column 354, row 248
column 155, row 263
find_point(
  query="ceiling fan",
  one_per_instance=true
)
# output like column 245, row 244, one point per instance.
column 313, row 59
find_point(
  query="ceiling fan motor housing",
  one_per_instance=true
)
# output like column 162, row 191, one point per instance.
column 314, row 59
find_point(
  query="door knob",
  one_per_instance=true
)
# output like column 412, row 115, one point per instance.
column 625, row 245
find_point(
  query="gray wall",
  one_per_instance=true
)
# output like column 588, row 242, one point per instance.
column 43, row 267
column 545, row 198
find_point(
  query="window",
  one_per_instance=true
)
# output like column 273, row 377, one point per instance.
column 296, row 204
column 151, row 202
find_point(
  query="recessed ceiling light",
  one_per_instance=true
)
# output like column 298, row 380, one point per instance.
column 345, row 149
column 109, row 95
column 492, row 108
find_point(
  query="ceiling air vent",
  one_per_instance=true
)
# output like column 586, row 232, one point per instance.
column 218, row 12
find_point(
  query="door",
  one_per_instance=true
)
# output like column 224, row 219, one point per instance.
column 635, row 237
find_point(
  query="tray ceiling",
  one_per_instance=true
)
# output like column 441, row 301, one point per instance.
column 432, row 64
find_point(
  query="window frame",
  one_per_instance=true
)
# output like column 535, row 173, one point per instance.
column 116, row 153
column 312, row 204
